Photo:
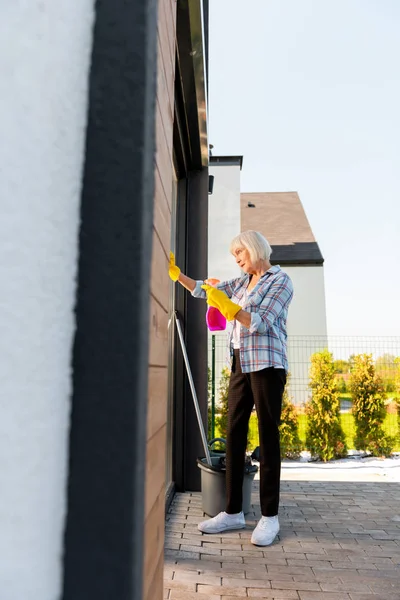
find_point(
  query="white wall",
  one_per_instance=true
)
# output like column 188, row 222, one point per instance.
column 223, row 221
column 223, row 226
column 307, row 327
column 44, row 63
column 307, row 312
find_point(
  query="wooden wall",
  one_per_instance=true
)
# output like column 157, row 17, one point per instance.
column 158, row 358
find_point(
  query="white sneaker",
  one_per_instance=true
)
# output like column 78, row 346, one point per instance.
column 222, row 522
column 266, row 531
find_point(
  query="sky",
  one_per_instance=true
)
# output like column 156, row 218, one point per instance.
column 308, row 91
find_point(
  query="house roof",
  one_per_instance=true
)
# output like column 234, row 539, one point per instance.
column 281, row 218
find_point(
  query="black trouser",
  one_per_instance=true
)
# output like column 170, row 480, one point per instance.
column 264, row 389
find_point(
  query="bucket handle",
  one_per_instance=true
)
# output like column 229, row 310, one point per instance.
column 211, row 442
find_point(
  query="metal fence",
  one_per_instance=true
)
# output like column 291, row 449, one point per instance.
column 384, row 351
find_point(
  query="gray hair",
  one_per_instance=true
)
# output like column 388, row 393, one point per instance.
column 255, row 243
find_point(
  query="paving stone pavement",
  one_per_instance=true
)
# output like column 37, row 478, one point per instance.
column 338, row 541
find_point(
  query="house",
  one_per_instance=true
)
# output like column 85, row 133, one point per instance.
column 104, row 170
column 281, row 218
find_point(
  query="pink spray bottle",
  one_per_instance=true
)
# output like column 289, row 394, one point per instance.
column 214, row 319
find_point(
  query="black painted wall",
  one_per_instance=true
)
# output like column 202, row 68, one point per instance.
column 196, row 328
column 104, row 531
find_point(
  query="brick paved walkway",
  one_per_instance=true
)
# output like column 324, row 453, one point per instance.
column 338, row 540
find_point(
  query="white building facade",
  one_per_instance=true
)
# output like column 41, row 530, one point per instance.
column 223, row 226
column 223, row 215
column 281, row 218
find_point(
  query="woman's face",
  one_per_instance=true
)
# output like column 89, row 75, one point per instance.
column 242, row 257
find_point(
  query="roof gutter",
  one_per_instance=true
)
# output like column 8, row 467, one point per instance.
column 192, row 65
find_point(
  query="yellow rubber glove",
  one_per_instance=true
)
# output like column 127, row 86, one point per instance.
column 173, row 270
column 218, row 299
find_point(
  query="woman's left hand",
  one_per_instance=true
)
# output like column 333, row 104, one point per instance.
column 218, row 299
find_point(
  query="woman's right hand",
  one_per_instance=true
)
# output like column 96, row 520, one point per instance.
column 218, row 299
column 173, row 270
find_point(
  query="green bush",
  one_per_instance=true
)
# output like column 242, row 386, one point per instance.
column 341, row 366
column 369, row 410
column 324, row 435
column 253, row 439
column 209, row 408
column 390, row 386
column 347, row 421
column 221, row 421
column 397, row 390
column 290, row 441
column 289, row 428
column 320, row 430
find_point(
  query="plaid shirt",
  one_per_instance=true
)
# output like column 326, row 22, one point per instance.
column 264, row 344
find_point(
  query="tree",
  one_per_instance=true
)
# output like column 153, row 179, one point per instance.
column 289, row 427
column 389, row 385
column 342, row 387
column 397, row 390
column 351, row 361
column 385, row 366
column 369, row 410
column 341, row 366
column 221, row 420
column 324, row 438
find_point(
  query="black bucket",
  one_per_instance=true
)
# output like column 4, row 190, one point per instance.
column 213, row 486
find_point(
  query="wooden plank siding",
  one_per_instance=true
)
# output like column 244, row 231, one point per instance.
column 159, row 286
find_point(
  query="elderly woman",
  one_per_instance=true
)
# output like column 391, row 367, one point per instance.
column 256, row 306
